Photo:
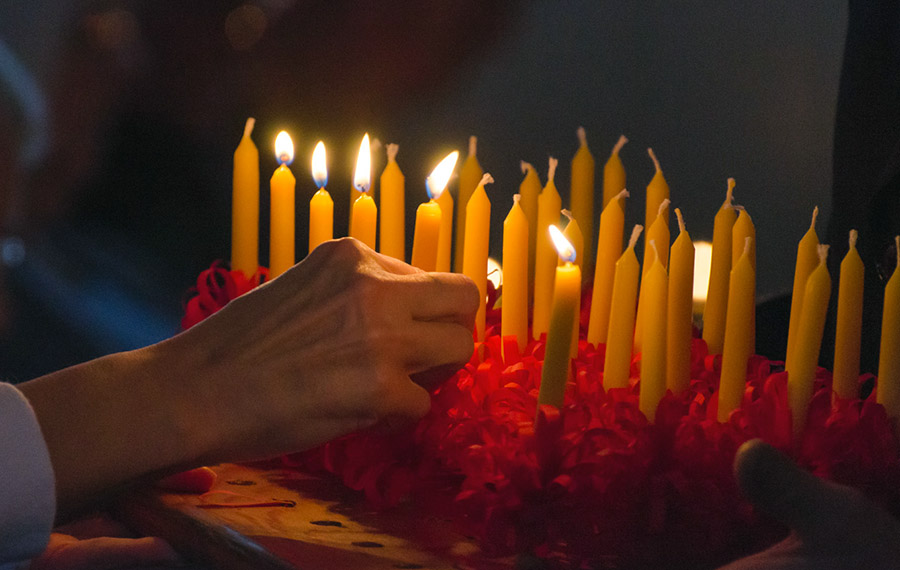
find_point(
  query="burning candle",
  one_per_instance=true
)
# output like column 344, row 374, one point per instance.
column 719, row 270
column 321, row 206
column 429, row 216
column 245, row 205
column 364, row 213
column 581, row 196
column 617, row 363
column 889, row 358
column 848, row 331
column 469, row 176
column 392, row 207
column 737, row 348
column 545, row 257
column 477, row 242
column 653, row 358
column 702, row 262
column 807, row 259
column 281, row 224
column 514, row 315
column 679, row 320
column 613, row 173
column 573, row 235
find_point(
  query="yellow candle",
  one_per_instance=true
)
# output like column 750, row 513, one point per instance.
column 719, row 271
column 807, row 259
column 514, row 315
column 245, row 205
column 581, row 195
column 742, row 229
column 736, row 351
column 530, row 189
column 566, row 293
column 613, row 173
column 848, row 332
column 392, row 207
column 364, row 214
column 801, row 365
column 657, row 191
column 281, row 219
column 545, row 256
column 321, row 206
column 659, row 234
column 653, row 358
column 573, row 235
column 617, row 363
column 469, row 176
column 679, row 320
column 446, row 238
column 609, row 248
column 429, row 216
column 477, row 243
column 889, row 358
column 702, row 262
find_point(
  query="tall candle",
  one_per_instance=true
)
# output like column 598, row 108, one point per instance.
column 736, row 351
column 653, row 358
column 245, row 205
column 573, row 235
column 848, row 331
column 719, row 270
column 545, row 257
column 364, row 214
column 530, row 189
column 477, row 244
column 659, row 234
column 392, row 208
column 566, row 293
column 581, row 195
column 321, row 206
column 802, row 362
column 446, row 238
column 514, row 311
column 429, row 216
column 281, row 219
column 657, row 191
column 807, row 259
column 469, row 176
column 609, row 248
column 617, row 362
column 613, row 173
column 742, row 229
column 889, row 358
column 679, row 320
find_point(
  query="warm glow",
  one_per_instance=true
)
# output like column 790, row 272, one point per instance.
column 319, row 167
column 702, row 261
column 565, row 249
column 363, row 175
column 494, row 273
column 284, row 148
column 437, row 180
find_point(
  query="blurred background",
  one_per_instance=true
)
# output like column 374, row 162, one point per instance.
column 118, row 120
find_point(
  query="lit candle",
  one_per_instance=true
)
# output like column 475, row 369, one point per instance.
column 469, row 176
column 573, row 235
column 566, row 293
column 848, row 330
column 429, row 215
column 657, row 191
column 364, row 214
column 807, row 259
column 281, row 219
column 719, row 270
column 392, row 207
column 581, row 196
column 653, row 358
column 321, row 206
column 702, row 262
column 545, row 256
column 445, row 201
column 477, row 243
column 245, row 205
column 617, row 363
column 514, row 315
column 802, row 362
column 889, row 358
column 613, row 173
column 736, row 351
column 609, row 248
column 679, row 320
column 659, row 234
column 530, row 189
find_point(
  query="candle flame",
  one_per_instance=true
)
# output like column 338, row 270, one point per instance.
column 284, row 148
column 563, row 246
column 702, row 262
column 319, row 166
column 437, row 180
column 363, row 175
column 494, row 272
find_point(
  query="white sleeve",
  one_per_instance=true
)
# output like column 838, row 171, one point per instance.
column 27, row 493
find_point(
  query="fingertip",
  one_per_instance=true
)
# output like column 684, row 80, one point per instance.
column 754, row 464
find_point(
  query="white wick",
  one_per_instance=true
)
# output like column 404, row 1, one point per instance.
column 619, row 144
column 653, row 158
column 663, row 206
column 392, row 150
column 567, row 214
column 516, row 198
column 486, row 179
column 854, row 235
column 248, row 126
column 526, row 166
column 635, row 234
column 473, row 144
column 551, row 171
column 582, row 136
column 822, row 250
column 815, row 215
column 680, row 219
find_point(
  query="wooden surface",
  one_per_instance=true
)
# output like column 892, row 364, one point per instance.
column 327, row 527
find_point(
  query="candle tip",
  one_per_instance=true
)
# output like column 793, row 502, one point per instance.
column 815, row 214
column 248, row 126
column 623, row 194
column 567, row 214
column 516, row 198
column 473, row 145
column 582, row 136
column 619, row 144
column 392, row 150
column 822, row 251
column 526, row 166
column 854, row 236
column 663, row 207
column 551, row 170
column 635, row 234
column 654, row 159
column 729, row 192
column 678, row 215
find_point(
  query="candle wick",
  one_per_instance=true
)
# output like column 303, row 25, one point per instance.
column 622, row 195
column 653, row 158
column 582, row 136
column 486, row 179
column 854, row 235
column 516, row 198
column 526, row 166
column 635, row 234
column 663, row 206
column 729, row 193
column 815, row 214
column 897, row 247
column 551, row 170
column 619, row 144
column 392, row 150
column 473, row 145
column 248, row 126
column 680, row 219
column 567, row 214
column 822, row 250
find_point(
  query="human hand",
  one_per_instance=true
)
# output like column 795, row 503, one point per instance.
column 833, row 526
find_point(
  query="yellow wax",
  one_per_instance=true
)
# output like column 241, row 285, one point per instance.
column 363, row 219
column 802, row 362
column 514, row 315
column 659, row 234
column 555, row 373
column 679, row 320
column 321, row 218
column 848, row 331
column 469, row 176
column 477, row 243
column 576, row 238
column 736, row 351
column 545, row 256
column 807, row 259
column 889, row 357
column 581, row 197
column 657, row 191
column 445, row 201
column 653, row 358
column 742, row 229
column 609, row 248
column 392, row 208
column 529, row 190
column 613, row 173
column 281, row 224
column 617, row 363
column 719, row 270
column 427, row 234
column 245, row 205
